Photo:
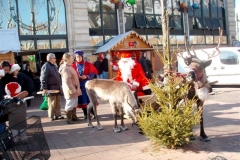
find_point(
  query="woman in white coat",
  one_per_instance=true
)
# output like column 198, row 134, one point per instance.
column 70, row 86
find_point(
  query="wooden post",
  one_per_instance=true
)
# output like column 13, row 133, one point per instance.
column 110, row 72
column 153, row 61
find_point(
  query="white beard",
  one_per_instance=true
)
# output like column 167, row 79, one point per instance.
column 126, row 69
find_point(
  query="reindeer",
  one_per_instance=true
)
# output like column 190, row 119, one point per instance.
column 118, row 94
column 197, row 78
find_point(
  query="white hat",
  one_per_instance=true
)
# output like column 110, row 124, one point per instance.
column 14, row 68
column 2, row 73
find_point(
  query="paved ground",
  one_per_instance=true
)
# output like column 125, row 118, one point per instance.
column 222, row 124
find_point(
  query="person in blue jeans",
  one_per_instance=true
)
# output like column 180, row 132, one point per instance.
column 104, row 67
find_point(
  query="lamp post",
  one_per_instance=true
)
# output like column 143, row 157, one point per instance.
column 120, row 18
column 184, row 8
column 119, row 4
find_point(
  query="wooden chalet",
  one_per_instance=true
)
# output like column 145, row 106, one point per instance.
column 129, row 41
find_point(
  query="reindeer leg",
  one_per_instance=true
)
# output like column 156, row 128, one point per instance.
column 115, row 128
column 123, row 127
column 89, row 108
column 203, row 136
column 99, row 126
column 114, row 111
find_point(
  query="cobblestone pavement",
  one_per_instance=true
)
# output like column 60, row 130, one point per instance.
column 222, row 125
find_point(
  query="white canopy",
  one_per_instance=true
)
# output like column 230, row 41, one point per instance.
column 9, row 41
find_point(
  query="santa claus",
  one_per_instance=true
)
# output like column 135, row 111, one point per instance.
column 130, row 71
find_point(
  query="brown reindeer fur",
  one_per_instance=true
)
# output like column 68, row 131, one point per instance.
column 118, row 94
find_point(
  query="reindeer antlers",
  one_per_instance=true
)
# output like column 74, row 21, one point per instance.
column 193, row 54
column 216, row 52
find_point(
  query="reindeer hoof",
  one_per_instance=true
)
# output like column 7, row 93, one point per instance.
column 192, row 138
column 116, row 130
column 90, row 125
column 123, row 128
column 206, row 139
column 99, row 127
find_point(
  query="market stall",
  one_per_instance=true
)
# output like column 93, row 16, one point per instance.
column 129, row 41
column 9, row 43
column 10, row 50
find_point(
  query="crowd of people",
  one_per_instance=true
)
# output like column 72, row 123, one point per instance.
column 69, row 80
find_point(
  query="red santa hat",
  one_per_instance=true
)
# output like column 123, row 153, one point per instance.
column 14, row 67
column 2, row 73
column 126, row 56
column 12, row 89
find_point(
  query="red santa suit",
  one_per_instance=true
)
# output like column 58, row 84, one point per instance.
column 131, row 72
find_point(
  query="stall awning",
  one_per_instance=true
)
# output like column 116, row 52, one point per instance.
column 9, row 41
column 113, row 42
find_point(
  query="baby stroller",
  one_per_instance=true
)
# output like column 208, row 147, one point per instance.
column 12, row 147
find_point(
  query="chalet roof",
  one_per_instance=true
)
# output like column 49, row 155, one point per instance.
column 117, row 40
column 9, row 41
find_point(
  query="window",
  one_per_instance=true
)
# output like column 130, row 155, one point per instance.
column 128, row 19
column 58, row 43
column 216, row 23
column 151, row 21
column 158, row 22
column 228, row 57
column 190, row 21
column 208, row 23
column 43, row 44
column 171, row 22
column 140, row 21
column 200, row 24
column 177, row 22
column 38, row 21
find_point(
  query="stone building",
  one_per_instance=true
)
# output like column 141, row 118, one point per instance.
column 60, row 26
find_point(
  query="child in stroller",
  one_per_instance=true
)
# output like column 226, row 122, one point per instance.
column 15, row 113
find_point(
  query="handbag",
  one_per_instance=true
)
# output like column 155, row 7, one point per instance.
column 44, row 105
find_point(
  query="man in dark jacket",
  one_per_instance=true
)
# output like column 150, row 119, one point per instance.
column 50, row 80
column 97, row 65
column 143, row 62
column 105, row 67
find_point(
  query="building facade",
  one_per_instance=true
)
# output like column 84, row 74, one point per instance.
column 60, row 26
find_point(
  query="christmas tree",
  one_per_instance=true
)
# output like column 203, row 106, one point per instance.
column 172, row 124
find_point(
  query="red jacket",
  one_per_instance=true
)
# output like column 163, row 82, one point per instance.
column 89, row 69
